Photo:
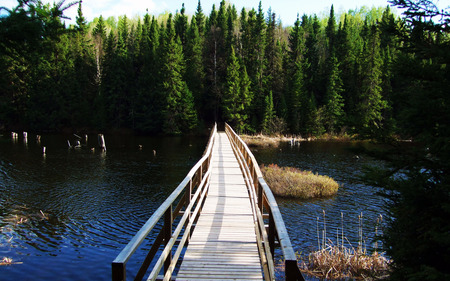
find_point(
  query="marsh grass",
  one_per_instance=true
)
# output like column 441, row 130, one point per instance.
column 292, row 182
column 342, row 260
column 261, row 140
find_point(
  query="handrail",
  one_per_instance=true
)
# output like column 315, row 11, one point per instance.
column 262, row 195
column 197, row 180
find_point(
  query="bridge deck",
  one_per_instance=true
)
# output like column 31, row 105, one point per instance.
column 223, row 245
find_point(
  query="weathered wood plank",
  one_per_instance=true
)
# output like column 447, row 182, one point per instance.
column 223, row 245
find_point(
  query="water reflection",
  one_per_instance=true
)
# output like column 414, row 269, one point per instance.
column 353, row 199
column 73, row 210
column 93, row 202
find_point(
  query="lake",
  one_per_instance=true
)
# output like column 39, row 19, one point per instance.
column 67, row 214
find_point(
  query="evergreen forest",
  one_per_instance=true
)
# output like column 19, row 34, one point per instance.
column 178, row 73
column 366, row 72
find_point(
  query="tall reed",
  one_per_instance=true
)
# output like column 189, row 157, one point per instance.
column 337, row 261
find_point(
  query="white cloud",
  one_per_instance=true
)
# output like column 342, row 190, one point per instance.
column 107, row 8
column 8, row 4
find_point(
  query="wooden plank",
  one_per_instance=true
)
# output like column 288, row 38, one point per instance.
column 223, row 244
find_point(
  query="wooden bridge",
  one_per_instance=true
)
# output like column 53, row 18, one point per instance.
column 221, row 223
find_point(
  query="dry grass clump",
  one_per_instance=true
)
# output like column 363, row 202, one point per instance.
column 334, row 262
column 340, row 261
column 292, row 182
column 336, row 137
column 261, row 140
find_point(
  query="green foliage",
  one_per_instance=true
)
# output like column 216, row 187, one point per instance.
column 269, row 116
column 334, row 103
column 237, row 95
column 417, row 183
column 118, row 69
column 179, row 112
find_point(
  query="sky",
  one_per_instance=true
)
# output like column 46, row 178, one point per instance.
column 285, row 9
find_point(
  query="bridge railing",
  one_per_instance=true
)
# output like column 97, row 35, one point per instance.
column 187, row 198
column 265, row 208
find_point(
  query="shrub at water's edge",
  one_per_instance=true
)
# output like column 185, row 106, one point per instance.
column 292, row 182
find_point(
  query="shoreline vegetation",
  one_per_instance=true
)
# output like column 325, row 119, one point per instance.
column 261, row 140
column 341, row 260
column 294, row 183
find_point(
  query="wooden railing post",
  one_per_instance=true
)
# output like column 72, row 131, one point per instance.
column 188, row 196
column 260, row 196
column 271, row 234
column 292, row 272
column 168, row 220
column 118, row 272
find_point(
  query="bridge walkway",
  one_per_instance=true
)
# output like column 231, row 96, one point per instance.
column 223, row 245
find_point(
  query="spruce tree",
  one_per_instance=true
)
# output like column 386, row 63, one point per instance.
column 300, row 102
column 417, row 183
column 273, row 78
column 195, row 74
column 331, row 32
column 269, row 116
column 80, row 19
column 179, row 112
column 372, row 104
column 215, row 61
column 200, row 20
column 334, row 103
column 237, row 94
column 181, row 25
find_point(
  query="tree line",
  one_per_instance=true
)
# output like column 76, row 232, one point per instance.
column 367, row 72
column 175, row 73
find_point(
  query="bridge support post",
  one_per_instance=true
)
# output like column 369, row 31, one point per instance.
column 260, row 194
column 271, row 234
column 118, row 272
column 292, row 272
column 188, row 196
column 168, row 220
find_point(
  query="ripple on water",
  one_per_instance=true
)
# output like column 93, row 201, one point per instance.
column 94, row 203
column 305, row 219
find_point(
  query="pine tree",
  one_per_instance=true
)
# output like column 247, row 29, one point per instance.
column 195, row 74
column 269, row 115
column 372, row 104
column 215, row 62
column 150, row 102
column 257, row 63
column 417, row 183
column 179, row 112
column 273, row 60
column 200, row 20
column 181, row 25
column 80, row 19
column 334, row 103
column 313, row 76
column 331, row 32
column 300, row 102
column 237, row 94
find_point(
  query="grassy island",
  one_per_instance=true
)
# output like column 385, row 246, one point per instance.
column 292, row 182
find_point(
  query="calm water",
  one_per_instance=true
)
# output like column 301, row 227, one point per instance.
column 95, row 202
